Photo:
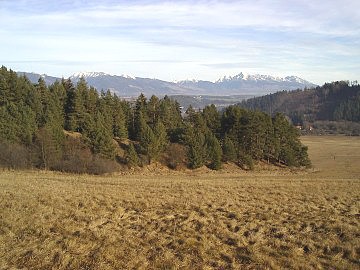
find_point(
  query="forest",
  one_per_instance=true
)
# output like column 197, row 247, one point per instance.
column 331, row 108
column 75, row 128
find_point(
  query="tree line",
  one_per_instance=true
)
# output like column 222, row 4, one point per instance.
column 336, row 101
column 75, row 128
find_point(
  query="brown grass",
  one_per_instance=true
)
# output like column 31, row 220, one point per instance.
column 195, row 220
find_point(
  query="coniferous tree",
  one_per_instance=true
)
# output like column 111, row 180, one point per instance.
column 161, row 139
column 119, row 123
column 153, row 110
column 101, row 140
column 212, row 119
column 196, row 147
column 119, row 120
column 17, row 123
column 214, row 151
column 37, row 114
column 132, row 157
column 139, row 115
column 229, row 150
column 147, row 140
column 50, row 142
column 69, row 107
column 4, row 87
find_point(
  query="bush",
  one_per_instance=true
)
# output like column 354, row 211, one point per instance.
column 175, row 155
column 246, row 162
column 132, row 158
column 79, row 159
column 100, row 165
column 14, row 156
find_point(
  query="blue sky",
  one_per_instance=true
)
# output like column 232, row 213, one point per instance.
column 176, row 40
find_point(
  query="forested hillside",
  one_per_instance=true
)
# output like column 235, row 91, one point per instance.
column 337, row 101
column 74, row 128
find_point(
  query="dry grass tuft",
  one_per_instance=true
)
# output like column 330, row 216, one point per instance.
column 197, row 220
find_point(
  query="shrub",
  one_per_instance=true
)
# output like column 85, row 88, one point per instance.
column 175, row 155
column 100, row 165
column 14, row 156
column 245, row 161
column 79, row 159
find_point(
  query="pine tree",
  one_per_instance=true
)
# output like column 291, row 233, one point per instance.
column 153, row 110
column 229, row 150
column 147, row 141
column 289, row 149
column 119, row 120
column 17, row 123
column 101, row 140
column 4, row 87
column 214, row 151
column 161, row 140
column 50, row 142
column 139, row 115
column 132, row 158
column 69, row 107
column 212, row 119
column 196, row 147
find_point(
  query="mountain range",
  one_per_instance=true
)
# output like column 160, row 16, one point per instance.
column 126, row 86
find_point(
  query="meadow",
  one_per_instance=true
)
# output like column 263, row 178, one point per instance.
column 270, row 218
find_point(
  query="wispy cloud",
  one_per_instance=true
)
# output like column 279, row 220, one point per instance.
column 183, row 38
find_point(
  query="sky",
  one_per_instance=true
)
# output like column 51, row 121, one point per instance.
column 176, row 40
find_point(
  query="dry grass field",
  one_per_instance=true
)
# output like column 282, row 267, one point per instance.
column 267, row 219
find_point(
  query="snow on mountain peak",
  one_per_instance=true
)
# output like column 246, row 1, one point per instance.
column 128, row 77
column 259, row 77
column 87, row 74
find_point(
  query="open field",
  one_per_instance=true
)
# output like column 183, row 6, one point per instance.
column 239, row 220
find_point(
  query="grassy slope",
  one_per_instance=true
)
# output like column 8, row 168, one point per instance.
column 258, row 220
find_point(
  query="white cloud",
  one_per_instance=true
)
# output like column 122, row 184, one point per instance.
column 201, row 38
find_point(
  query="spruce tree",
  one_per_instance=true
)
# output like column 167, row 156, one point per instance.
column 195, row 141
column 153, row 110
column 214, row 151
column 139, row 115
column 212, row 119
column 229, row 150
column 147, row 141
column 119, row 121
column 50, row 143
column 161, row 140
column 101, row 139
column 132, row 157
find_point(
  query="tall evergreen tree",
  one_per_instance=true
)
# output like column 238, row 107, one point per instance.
column 147, row 140
column 229, row 150
column 132, row 158
column 119, row 121
column 195, row 141
column 161, row 140
column 101, row 139
column 214, row 151
column 212, row 119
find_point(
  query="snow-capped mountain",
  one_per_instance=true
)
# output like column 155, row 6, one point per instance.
column 255, row 84
column 88, row 74
column 240, row 84
column 258, row 77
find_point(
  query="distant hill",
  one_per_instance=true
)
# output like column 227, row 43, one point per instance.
column 337, row 101
column 126, row 86
column 34, row 77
